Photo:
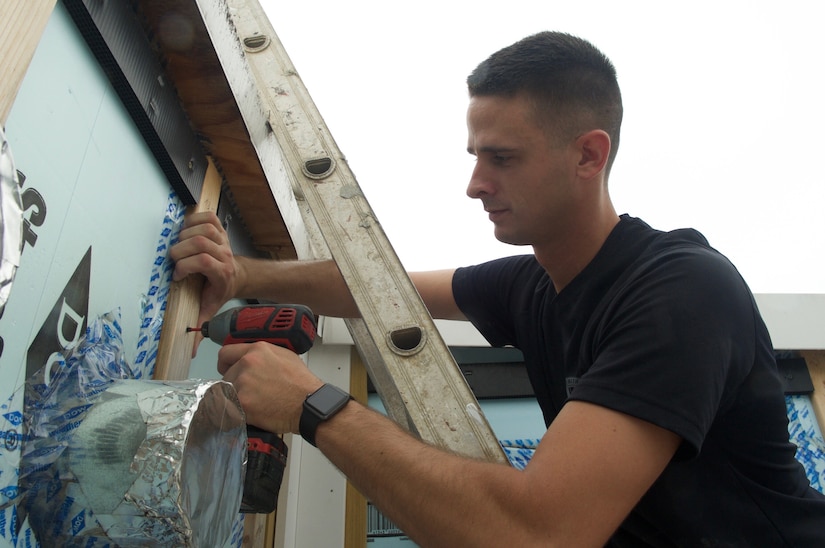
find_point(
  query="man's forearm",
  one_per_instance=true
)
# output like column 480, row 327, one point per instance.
column 438, row 498
column 320, row 286
column 316, row 284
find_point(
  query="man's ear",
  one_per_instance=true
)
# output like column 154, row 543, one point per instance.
column 594, row 147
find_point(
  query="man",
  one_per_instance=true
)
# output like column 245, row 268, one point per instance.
column 655, row 374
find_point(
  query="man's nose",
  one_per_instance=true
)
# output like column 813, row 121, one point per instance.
column 479, row 184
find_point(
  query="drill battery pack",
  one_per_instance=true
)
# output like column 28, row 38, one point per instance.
column 266, row 462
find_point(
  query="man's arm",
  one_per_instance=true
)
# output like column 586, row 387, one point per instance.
column 203, row 248
column 320, row 286
column 590, row 469
column 436, row 290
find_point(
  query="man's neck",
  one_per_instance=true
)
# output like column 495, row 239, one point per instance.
column 565, row 258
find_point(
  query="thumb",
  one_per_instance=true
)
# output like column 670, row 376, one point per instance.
column 205, row 313
column 196, row 344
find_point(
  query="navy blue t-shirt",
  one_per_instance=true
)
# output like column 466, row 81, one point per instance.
column 662, row 327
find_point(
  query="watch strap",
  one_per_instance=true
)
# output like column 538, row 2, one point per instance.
column 320, row 406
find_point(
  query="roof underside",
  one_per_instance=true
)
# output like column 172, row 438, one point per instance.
column 177, row 33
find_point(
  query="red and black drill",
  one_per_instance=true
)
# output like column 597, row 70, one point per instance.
column 291, row 326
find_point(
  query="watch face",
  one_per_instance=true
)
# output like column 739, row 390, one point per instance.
column 326, row 398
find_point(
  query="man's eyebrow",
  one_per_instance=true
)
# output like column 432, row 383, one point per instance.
column 489, row 149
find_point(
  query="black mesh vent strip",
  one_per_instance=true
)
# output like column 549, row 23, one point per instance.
column 117, row 40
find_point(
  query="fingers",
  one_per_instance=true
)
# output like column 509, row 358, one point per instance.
column 197, row 342
column 203, row 248
column 228, row 356
column 200, row 254
column 270, row 358
column 202, row 235
column 203, row 219
column 271, row 383
column 214, row 234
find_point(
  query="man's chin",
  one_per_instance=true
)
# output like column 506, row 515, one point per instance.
column 509, row 239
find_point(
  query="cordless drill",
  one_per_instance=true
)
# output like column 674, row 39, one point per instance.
column 290, row 326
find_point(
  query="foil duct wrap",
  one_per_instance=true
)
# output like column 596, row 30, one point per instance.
column 161, row 463
column 11, row 221
column 111, row 460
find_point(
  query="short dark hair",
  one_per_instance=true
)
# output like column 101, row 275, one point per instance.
column 571, row 82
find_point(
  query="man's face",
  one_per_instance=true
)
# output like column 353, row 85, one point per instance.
column 524, row 178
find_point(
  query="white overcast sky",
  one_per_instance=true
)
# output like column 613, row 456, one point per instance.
column 724, row 126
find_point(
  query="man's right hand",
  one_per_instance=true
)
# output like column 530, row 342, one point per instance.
column 203, row 248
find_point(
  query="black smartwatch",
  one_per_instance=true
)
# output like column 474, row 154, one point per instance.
column 319, row 406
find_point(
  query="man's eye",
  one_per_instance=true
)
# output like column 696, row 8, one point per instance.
column 500, row 159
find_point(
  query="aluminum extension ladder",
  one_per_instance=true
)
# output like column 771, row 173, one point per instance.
column 411, row 367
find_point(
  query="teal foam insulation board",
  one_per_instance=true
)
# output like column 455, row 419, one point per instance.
column 99, row 216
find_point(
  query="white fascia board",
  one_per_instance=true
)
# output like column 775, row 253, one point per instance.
column 795, row 322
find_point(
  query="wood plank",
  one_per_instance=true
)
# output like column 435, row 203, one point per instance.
column 21, row 26
column 254, row 531
column 175, row 345
column 182, row 306
column 269, row 537
column 816, row 366
column 355, row 527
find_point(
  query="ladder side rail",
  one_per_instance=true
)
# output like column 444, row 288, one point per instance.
column 436, row 397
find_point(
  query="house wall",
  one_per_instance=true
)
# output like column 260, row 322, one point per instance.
column 94, row 205
column 90, row 184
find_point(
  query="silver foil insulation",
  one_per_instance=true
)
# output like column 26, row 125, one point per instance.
column 11, row 221
column 162, row 463
column 112, row 460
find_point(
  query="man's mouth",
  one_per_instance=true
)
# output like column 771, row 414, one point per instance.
column 495, row 214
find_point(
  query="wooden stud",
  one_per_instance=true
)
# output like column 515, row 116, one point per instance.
column 816, row 367
column 355, row 529
column 269, row 535
column 21, row 27
column 182, row 306
column 176, row 344
column 254, row 531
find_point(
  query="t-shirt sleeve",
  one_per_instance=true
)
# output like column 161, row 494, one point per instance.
column 671, row 343
column 491, row 293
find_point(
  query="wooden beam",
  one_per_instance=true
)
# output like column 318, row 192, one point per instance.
column 816, row 366
column 176, row 344
column 182, row 306
column 355, row 528
column 269, row 536
column 21, row 26
column 254, row 531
